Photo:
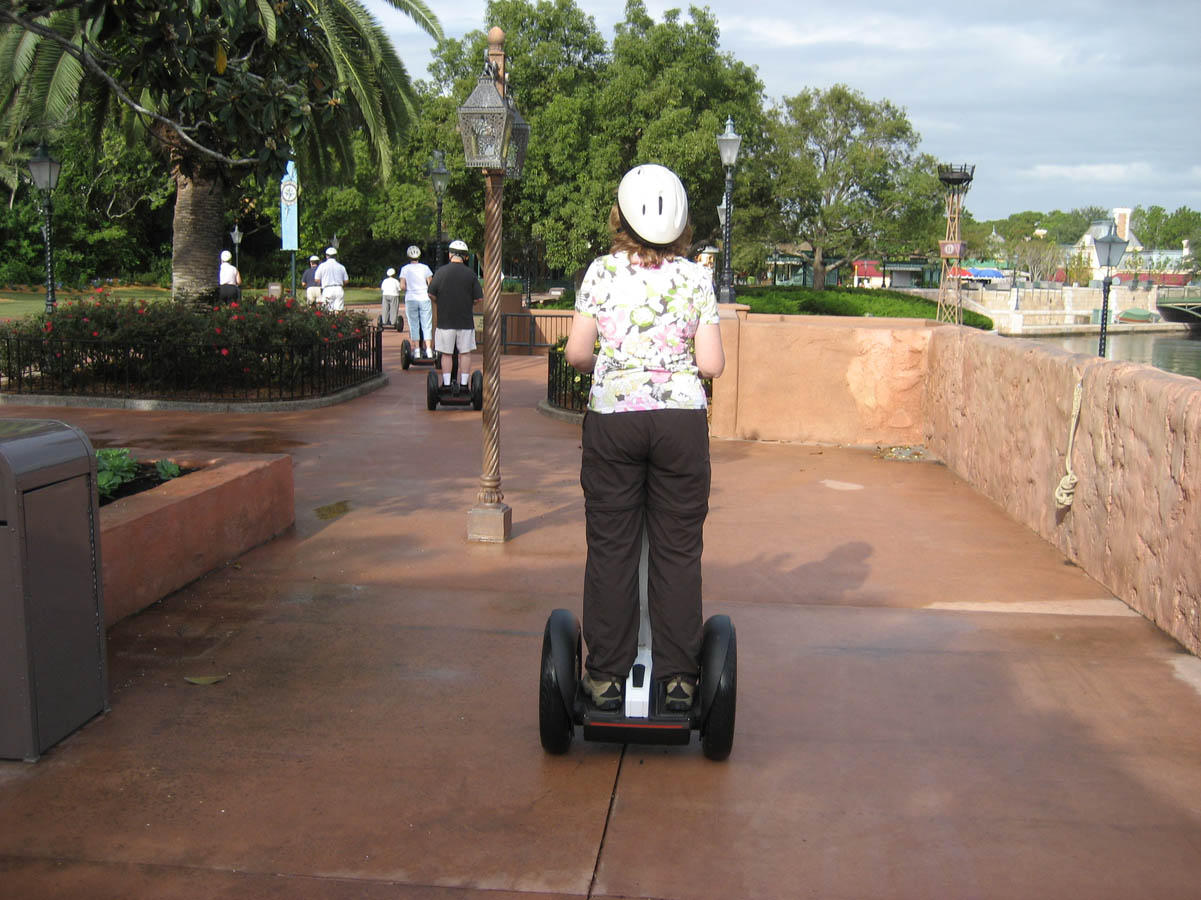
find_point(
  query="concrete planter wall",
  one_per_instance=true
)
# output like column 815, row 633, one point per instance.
column 157, row 541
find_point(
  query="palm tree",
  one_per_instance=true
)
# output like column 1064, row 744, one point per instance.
column 224, row 90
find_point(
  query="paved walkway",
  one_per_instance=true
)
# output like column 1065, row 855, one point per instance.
column 932, row 703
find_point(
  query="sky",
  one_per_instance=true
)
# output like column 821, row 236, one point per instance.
column 1059, row 104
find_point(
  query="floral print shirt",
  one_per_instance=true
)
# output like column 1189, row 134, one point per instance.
column 646, row 319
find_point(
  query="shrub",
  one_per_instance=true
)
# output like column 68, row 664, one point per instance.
column 847, row 302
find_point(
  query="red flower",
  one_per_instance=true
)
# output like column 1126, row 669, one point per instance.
column 85, row 318
column 234, row 304
column 218, row 329
column 280, row 321
column 95, row 334
column 225, row 351
column 49, row 326
column 289, row 303
column 246, row 368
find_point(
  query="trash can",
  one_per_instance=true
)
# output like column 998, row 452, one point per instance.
column 53, row 670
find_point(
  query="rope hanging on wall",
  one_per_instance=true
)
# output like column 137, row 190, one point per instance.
column 1066, row 492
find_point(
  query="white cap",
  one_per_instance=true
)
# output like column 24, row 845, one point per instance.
column 313, row 259
column 414, row 252
column 458, row 247
column 226, row 256
column 331, row 251
column 653, row 203
column 391, row 272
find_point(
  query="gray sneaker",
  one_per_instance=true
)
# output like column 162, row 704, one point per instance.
column 603, row 692
column 678, row 693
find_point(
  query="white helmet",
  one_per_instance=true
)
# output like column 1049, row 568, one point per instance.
column 391, row 272
column 226, row 256
column 313, row 259
column 331, row 251
column 414, row 252
column 654, row 204
column 459, row 248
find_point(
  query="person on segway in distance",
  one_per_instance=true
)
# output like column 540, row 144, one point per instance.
column 455, row 289
column 645, row 437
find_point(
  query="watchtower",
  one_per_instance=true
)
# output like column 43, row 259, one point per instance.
column 950, row 299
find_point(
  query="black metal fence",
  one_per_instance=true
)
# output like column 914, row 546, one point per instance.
column 171, row 370
column 532, row 331
column 565, row 387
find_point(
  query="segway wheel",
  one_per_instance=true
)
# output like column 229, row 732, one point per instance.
column 431, row 390
column 400, row 324
column 557, row 685
column 719, row 687
column 406, row 355
column 477, row 389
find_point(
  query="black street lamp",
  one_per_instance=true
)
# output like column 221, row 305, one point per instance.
column 43, row 170
column 1110, row 250
column 439, row 176
column 728, row 144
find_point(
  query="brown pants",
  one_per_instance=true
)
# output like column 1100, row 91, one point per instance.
column 647, row 467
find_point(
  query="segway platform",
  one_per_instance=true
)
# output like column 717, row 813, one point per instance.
column 409, row 358
column 454, row 394
column 642, row 718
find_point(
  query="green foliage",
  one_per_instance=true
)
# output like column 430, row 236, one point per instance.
column 1079, row 269
column 848, row 178
column 847, row 302
column 166, row 469
column 114, row 467
column 170, row 343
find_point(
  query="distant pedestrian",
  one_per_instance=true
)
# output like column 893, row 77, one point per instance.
column 414, row 281
column 389, row 290
column 456, row 289
column 332, row 277
column 308, row 279
column 228, row 279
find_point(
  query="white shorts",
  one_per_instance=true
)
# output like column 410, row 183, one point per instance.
column 447, row 339
column 312, row 294
column 332, row 296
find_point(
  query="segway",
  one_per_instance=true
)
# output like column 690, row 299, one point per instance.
column 454, row 394
column 406, row 349
column 399, row 326
column 642, row 719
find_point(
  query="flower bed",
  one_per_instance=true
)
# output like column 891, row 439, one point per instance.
column 259, row 349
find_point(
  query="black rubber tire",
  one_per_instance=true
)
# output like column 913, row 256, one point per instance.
column 555, row 725
column 717, row 732
column 431, row 391
column 477, row 389
column 400, row 324
column 406, row 355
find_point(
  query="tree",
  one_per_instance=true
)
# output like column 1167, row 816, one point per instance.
column 225, row 90
column 1040, row 257
column 846, row 174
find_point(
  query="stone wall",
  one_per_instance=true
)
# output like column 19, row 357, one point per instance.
column 998, row 412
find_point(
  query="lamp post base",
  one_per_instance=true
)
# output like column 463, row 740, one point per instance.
column 725, row 294
column 489, row 523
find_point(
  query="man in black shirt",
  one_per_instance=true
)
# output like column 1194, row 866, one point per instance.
column 455, row 290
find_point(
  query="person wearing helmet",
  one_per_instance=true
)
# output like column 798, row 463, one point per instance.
column 389, row 290
column 645, row 437
column 456, row 289
column 308, row 280
column 228, row 279
column 415, row 278
column 332, row 277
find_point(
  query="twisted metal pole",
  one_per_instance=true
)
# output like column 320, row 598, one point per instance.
column 490, row 494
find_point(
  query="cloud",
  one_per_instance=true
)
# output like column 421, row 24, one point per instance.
column 1093, row 172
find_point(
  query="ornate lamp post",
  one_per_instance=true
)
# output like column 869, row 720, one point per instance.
column 1110, row 250
column 43, row 170
column 728, row 144
column 236, row 237
column 439, row 176
column 495, row 141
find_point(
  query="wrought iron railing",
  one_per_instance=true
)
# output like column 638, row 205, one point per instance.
column 565, row 387
column 170, row 370
column 532, row 331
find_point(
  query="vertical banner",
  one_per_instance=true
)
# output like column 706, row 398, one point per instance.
column 288, row 216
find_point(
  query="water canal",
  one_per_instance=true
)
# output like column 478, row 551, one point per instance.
column 1176, row 351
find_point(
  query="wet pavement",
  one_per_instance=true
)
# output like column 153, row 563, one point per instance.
column 932, row 701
